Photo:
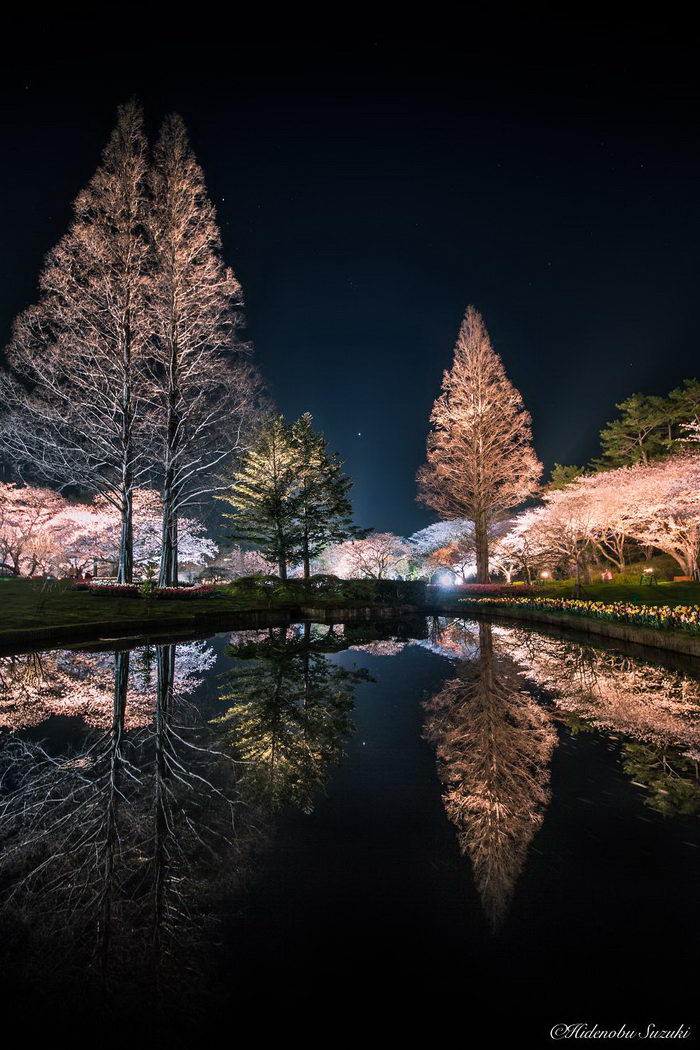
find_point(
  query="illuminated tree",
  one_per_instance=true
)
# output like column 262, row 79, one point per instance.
column 76, row 413
column 203, row 385
column 376, row 556
column 664, row 508
column 25, row 516
column 480, row 461
column 323, row 502
column 263, row 495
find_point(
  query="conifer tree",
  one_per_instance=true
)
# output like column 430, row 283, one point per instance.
column 480, row 461
column 323, row 500
column 263, row 494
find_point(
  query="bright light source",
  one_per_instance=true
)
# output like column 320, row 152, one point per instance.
column 648, row 570
column 446, row 580
column 544, row 575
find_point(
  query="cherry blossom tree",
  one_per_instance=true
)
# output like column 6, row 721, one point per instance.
column 27, row 526
column 664, row 508
column 564, row 528
column 655, row 504
column 377, row 556
column 42, row 532
column 480, row 462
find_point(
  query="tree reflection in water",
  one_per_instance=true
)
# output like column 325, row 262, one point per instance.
column 290, row 711
column 111, row 853
column 655, row 708
column 493, row 744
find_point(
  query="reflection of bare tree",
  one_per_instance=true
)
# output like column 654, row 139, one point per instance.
column 493, row 745
column 290, row 711
column 108, row 855
column 658, row 708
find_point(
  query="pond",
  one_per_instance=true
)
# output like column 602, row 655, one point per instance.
column 437, row 820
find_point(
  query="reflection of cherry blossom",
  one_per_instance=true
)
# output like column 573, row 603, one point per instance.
column 613, row 691
column 385, row 647
column 68, row 683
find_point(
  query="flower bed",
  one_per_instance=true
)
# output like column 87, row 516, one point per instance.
column 667, row 617
column 185, row 593
column 135, row 590
column 123, row 590
column 495, row 588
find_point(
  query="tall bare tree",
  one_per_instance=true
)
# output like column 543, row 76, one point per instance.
column 203, row 383
column 480, row 462
column 76, row 415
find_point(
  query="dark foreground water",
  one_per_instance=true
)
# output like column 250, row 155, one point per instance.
column 436, row 829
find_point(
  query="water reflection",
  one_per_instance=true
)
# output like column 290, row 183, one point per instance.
column 112, row 850
column 132, row 802
column 493, row 744
column 656, row 710
column 290, row 711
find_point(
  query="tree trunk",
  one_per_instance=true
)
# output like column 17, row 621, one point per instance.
column 168, row 572
column 481, row 536
column 282, row 566
column 125, row 571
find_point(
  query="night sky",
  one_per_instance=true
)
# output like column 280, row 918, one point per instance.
column 367, row 194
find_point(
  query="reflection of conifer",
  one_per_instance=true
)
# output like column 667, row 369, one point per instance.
column 289, row 715
column 493, row 745
column 672, row 779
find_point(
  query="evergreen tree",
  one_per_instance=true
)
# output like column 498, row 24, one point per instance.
column 323, row 504
column 637, row 436
column 264, row 495
column 480, row 462
column 683, row 408
column 562, row 476
column 290, row 497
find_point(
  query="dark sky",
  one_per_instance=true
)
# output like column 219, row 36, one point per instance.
column 367, row 194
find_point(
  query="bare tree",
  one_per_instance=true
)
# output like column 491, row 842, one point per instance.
column 203, row 384
column 480, row 462
column 76, row 415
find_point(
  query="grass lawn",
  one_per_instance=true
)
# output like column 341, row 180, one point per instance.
column 28, row 603
column 658, row 594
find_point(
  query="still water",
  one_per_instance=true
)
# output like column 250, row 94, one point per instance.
column 437, row 821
